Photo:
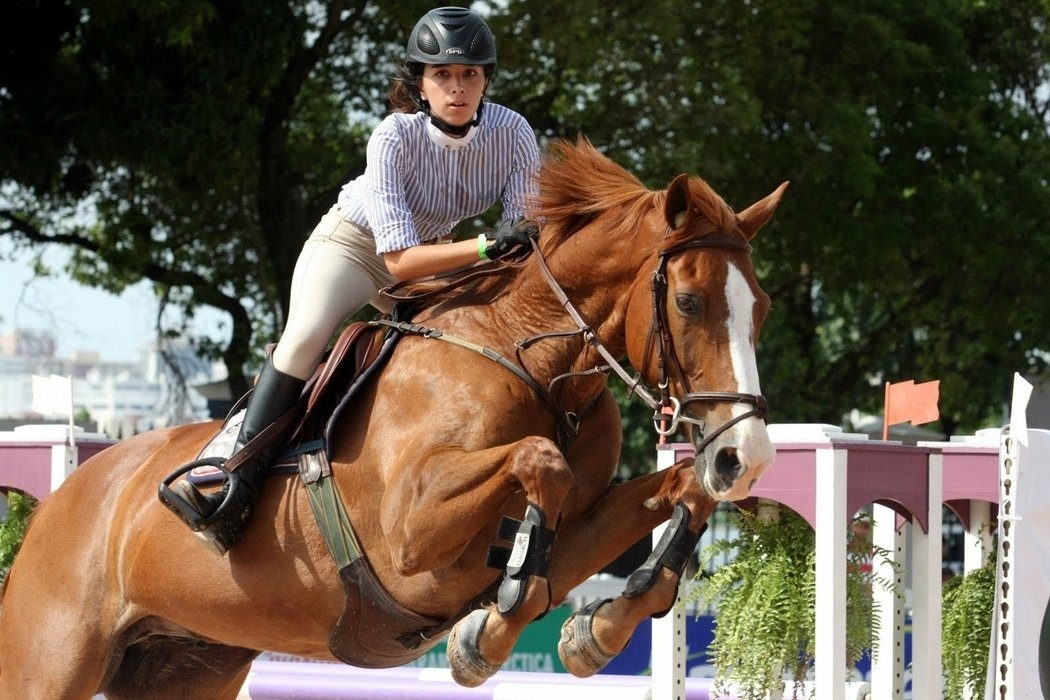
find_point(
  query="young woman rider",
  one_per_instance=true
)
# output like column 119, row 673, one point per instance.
column 443, row 155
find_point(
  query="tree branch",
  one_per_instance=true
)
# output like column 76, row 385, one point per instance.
column 27, row 230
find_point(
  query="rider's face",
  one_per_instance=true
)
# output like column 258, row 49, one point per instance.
column 453, row 91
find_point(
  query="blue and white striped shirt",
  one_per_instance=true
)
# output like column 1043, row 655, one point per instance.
column 416, row 186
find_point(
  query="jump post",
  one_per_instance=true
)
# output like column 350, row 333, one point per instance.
column 826, row 475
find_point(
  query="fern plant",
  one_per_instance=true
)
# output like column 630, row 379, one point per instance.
column 766, row 599
column 967, row 604
column 13, row 529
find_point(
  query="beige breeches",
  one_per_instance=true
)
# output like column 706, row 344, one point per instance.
column 337, row 273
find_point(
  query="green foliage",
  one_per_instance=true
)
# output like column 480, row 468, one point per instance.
column 191, row 144
column 196, row 144
column 765, row 598
column 966, row 626
column 13, row 529
column 915, row 140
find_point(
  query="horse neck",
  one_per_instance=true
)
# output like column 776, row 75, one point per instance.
column 598, row 285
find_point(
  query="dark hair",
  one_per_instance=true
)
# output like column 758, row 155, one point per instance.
column 404, row 90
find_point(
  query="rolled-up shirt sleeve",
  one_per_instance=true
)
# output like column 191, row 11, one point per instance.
column 521, row 184
column 385, row 204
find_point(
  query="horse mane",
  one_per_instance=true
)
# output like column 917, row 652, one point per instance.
column 577, row 183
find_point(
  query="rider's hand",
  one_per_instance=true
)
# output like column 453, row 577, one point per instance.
column 509, row 236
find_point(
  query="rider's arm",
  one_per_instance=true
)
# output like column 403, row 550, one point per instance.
column 385, row 204
column 422, row 260
column 391, row 219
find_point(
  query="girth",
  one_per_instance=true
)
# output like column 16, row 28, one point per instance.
column 375, row 631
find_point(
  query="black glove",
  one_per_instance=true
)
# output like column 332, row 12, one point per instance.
column 509, row 236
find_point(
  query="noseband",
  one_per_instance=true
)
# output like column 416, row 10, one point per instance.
column 668, row 410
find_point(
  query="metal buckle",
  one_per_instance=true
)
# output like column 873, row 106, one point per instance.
column 313, row 466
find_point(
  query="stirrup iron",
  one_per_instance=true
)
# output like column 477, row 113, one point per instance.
column 186, row 511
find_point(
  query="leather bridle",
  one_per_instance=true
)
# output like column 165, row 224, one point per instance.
column 668, row 410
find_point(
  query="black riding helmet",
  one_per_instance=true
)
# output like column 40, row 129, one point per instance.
column 447, row 36
column 450, row 35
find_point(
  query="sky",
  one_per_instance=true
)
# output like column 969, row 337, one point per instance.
column 79, row 317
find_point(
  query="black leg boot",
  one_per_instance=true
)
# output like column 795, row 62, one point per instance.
column 275, row 393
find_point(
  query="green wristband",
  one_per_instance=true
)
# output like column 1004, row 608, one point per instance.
column 483, row 245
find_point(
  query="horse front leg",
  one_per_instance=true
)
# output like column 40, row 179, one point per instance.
column 469, row 488
column 601, row 630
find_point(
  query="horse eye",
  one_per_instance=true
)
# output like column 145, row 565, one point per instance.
column 688, row 304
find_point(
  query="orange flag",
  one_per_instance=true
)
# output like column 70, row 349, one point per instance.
column 908, row 402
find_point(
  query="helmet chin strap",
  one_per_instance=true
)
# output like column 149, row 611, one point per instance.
column 450, row 129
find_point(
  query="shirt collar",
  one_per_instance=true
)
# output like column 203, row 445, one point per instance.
column 446, row 142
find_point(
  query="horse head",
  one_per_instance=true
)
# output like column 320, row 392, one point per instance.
column 693, row 331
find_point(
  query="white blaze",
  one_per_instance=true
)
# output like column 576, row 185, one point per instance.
column 740, row 327
column 754, row 449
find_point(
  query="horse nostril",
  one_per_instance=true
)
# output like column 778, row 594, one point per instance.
column 727, row 464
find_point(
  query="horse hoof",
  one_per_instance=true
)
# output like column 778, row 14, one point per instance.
column 578, row 649
column 468, row 667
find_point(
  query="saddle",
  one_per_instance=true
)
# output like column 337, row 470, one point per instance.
column 358, row 354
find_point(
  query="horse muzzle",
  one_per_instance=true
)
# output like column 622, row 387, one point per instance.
column 728, row 467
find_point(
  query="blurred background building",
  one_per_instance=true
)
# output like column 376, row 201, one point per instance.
column 118, row 399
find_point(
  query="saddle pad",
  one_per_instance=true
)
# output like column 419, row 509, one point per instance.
column 219, row 446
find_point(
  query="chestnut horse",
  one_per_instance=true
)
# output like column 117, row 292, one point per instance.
column 111, row 593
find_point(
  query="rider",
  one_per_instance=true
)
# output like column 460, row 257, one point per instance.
column 443, row 155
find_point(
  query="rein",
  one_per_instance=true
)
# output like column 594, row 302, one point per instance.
column 568, row 423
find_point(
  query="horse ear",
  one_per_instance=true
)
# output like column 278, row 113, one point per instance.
column 676, row 208
column 758, row 214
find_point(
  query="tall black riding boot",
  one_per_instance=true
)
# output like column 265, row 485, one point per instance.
column 275, row 393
